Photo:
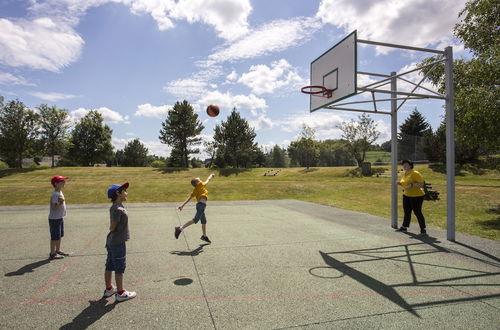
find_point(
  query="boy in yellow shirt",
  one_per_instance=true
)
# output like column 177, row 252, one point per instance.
column 201, row 193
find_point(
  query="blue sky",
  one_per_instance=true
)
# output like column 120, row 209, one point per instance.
column 133, row 59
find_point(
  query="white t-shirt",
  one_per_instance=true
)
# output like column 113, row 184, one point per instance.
column 60, row 212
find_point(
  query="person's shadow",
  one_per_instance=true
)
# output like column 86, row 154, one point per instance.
column 28, row 268
column 192, row 253
column 89, row 315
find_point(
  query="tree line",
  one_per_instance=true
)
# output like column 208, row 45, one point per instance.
column 48, row 131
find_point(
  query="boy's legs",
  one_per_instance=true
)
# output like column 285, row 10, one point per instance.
column 107, row 277
column 119, row 281
column 204, row 229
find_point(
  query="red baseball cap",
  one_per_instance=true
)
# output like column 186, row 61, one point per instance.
column 57, row 178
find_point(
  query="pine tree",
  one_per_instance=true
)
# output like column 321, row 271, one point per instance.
column 410, row 136
column 235, row 142
column 180, row 131
column 135, row 154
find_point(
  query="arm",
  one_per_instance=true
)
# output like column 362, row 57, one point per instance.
column 209, row 178
column 60, row 201
column 113, row 225
column 185, row 202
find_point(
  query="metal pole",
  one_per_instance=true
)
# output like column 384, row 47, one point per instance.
column 450, row 145
column 394, row 152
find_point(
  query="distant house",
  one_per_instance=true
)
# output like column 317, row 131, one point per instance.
column 46, row 161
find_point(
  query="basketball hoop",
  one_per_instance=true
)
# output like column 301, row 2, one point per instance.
column 317, row 91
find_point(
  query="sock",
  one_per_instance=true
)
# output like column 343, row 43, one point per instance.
column 109, row 288
column 181, row 227
column 121, row 291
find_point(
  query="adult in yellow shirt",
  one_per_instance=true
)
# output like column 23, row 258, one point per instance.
column 412, row 183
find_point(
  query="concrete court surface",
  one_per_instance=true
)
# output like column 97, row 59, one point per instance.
column 271, row 265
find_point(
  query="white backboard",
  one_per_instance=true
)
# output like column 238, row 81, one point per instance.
column 336, row 69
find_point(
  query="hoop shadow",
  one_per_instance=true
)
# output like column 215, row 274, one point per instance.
column 192, row 253
column 403, row 254
column 28, row 268
column 89, row 315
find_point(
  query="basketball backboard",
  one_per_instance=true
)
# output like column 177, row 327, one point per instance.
column 336, row 70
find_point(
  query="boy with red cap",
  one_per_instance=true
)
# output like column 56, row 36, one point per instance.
column 56, row 217
column 115, row 244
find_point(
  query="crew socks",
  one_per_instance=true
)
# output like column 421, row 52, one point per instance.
column 121, row 292
column 109, row 288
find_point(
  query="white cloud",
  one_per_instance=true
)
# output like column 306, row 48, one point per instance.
column 272, row 37
column 53, row 97
column 226, row 101
column 108, row 115
column 280, row 76
column 41, row 43
column 261, row 123
column 148, row 110
column 233, row 76
column 9, row 79
column 195, row 86
column 228, row 17
column 418, row 23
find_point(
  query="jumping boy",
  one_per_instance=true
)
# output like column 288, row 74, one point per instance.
column 57, row 213
column 201, row 193
column 115, row 244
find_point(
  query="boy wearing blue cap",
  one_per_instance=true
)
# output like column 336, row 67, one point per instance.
column 115, row 244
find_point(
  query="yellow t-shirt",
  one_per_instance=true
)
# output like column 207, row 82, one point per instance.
column 200, row 191
column 409, row 177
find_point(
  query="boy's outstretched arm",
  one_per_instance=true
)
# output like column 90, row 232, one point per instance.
column 185, row 202
column 209, row 178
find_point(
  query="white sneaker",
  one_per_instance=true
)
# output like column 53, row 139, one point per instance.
column 125, row 296
column 108, row 293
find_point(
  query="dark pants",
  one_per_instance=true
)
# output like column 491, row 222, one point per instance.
column 413, row 204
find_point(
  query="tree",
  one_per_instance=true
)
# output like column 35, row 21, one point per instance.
column 277, row 157
column 180, row 131
column 91, row 140
column 18, row 132
column 235, row 142
column 305, row 151
column 475, row 81
column 411, row 134
column 54, row 124
column 334, row 153
column 135, row 154
column 359, row 136
column 211, row 149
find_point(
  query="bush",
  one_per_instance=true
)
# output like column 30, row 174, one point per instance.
column 3, row 166
column 158, row 164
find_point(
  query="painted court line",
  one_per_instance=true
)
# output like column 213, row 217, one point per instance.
column 56, row 276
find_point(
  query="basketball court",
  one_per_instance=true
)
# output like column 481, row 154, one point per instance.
column 271, row 265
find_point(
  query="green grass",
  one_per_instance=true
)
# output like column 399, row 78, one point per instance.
column 373, row 156
column 477, row 195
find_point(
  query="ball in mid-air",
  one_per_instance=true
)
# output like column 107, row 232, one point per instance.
column 213, row 110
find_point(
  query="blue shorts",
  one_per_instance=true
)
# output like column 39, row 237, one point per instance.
column 56, row 227
column 117, row 258
column 200, row 213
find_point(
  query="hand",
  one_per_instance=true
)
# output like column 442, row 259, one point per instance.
column 61, row 199
column 180, row 207
column 212, row 175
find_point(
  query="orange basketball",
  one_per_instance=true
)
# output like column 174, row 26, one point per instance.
column 213, row 110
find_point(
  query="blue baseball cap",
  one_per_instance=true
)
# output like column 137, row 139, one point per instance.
column 112, row 189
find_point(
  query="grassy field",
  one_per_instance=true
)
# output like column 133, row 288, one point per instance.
column 477, row 195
